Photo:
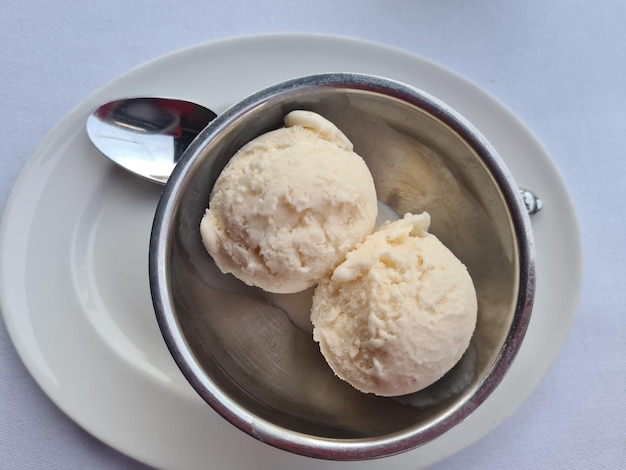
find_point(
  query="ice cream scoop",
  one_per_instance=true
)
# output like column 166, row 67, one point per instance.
column 289, row 205
column 398, row 313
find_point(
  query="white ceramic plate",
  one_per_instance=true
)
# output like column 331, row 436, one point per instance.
column 74, row 286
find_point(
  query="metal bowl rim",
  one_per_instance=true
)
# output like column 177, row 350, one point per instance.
column 265, row 431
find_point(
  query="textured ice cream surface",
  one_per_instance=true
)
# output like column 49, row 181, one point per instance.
column 289, row 205
column 398, row 313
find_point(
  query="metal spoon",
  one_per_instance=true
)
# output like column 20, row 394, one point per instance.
column 147, row 136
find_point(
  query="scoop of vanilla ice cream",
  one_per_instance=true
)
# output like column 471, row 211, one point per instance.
column 398, row 313
column 289, row 205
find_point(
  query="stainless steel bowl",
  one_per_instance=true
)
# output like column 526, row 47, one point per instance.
column 262, row 372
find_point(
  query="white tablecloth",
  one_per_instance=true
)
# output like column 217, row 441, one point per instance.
column 560, row 65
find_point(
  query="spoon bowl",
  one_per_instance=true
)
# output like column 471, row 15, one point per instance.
column 145, row 135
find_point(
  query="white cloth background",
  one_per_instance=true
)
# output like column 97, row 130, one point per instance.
column 560, row 65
